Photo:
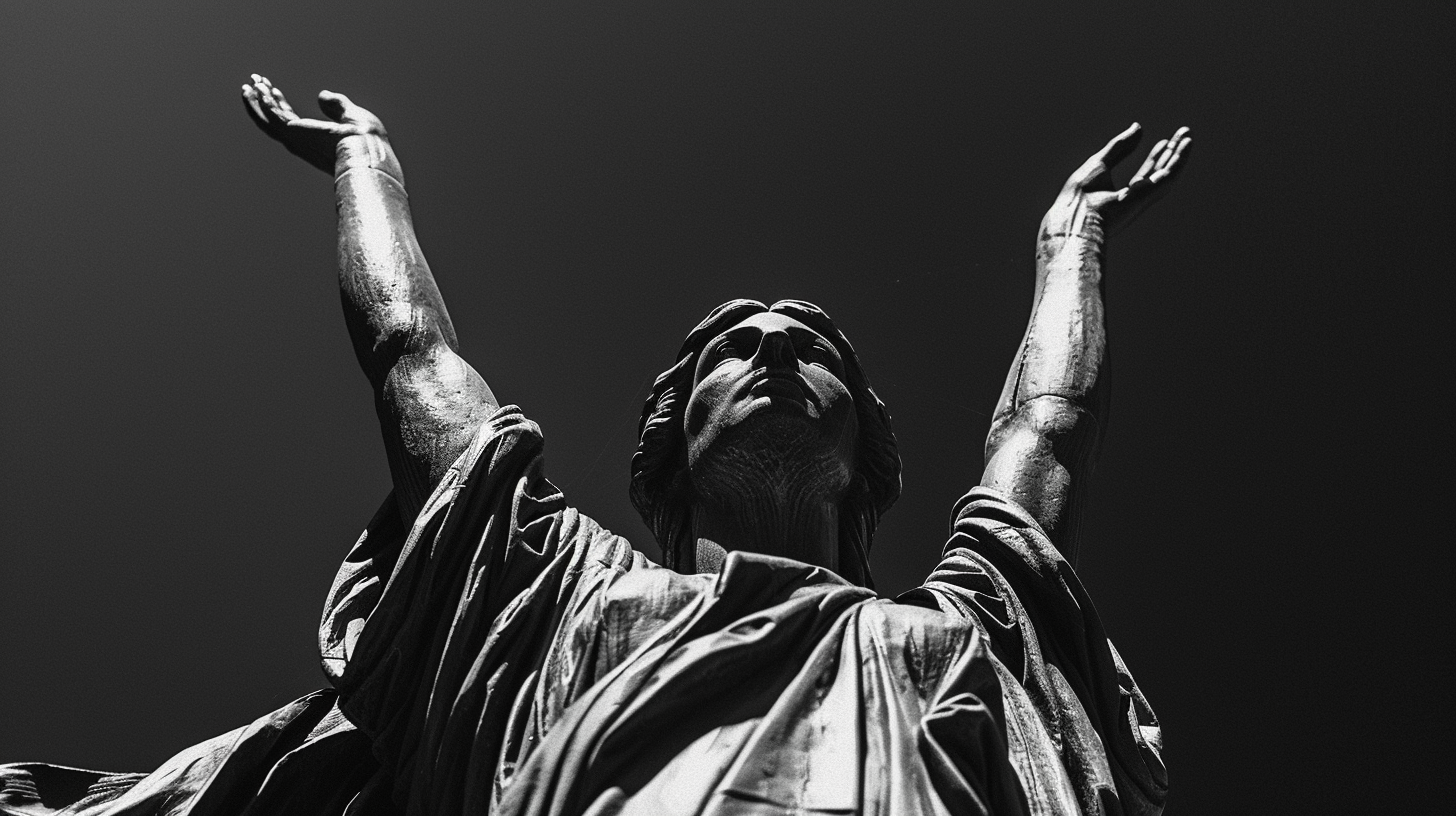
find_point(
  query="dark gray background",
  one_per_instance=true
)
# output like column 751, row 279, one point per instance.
column 189, row 450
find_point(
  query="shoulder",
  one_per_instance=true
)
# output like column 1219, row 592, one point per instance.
column 989, row 523
column 505, row 434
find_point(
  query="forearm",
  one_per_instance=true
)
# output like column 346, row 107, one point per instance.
column 1046, row 427
column 1064, row 351
column 429, row 400
column 391, row 303
column 1052, row 411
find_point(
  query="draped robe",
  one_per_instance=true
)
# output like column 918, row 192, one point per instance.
column 504, row 654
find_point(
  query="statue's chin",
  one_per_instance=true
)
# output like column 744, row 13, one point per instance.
column 760, row 430
column 777, row 449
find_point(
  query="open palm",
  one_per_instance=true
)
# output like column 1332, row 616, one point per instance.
column 313, row 140
column 1090, row 201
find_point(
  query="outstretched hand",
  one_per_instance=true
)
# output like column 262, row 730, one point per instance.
column 1090, row 199
column 313, row 140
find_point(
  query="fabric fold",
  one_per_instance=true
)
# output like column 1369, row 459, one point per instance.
column 501, row 653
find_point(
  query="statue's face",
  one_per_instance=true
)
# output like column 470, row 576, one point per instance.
column 772, row 383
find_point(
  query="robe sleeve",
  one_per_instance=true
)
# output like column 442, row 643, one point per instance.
column 1001, row 569
column 443, row 624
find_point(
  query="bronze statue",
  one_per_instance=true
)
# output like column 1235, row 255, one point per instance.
column 492, row 650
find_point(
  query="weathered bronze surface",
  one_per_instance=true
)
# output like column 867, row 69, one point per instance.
column 492, row 650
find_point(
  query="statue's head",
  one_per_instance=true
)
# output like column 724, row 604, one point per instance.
column 768, row 394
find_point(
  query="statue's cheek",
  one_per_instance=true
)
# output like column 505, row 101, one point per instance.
column 830, row 393
column 703, row 404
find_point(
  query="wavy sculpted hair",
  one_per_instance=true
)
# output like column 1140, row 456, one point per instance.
column 660, row 487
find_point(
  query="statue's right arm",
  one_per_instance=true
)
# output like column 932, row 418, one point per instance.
column 429, row 400
column 1047, row 423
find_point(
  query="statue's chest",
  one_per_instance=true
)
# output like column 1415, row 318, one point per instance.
column 916, row 645
column 916, row 648
column 634, row 609
column 616, row 620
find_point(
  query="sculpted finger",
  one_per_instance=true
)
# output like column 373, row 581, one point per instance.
column 300, row 123
column 1172, row 143
column 333, row 104
column 263, row 98
column 264, row 87
column 1151, row 162
column 351, row 117
column 267, row 106
column 1176, row 163
column 1121, row 145
column 319, row 126
column 1178, row 154
column 255, row 110
column 1137, row 189
column 272, row 98
column 1093, row 172
column 280, row 102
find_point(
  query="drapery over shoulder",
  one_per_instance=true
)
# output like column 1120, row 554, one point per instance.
column 1068, row 682
column 504, row 654
column 431, row 640
column 508, row 655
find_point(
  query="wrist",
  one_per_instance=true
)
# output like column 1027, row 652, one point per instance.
column 1073, row 250
column 1084, row 225
column 372, row 151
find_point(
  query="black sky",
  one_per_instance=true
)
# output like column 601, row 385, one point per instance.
column 189, row 449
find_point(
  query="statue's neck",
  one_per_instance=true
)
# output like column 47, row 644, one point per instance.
column 766, row 517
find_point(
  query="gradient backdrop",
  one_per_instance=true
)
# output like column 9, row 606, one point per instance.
column 189, row 449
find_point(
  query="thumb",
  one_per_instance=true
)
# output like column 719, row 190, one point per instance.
column 333, row 104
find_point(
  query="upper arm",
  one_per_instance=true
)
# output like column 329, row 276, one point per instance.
column 431, row 402
column 1040, row 455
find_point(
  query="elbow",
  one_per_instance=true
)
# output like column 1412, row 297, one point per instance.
column 397, row 329
column 1041, row 455
column 392, row 332
column 1066, row 426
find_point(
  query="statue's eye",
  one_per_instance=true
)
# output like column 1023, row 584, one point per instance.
column 725, row 349
column 819, row 354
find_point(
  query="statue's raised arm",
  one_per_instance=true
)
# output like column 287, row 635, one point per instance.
column 495, row 650
column 430, row 401
column 1047, row 423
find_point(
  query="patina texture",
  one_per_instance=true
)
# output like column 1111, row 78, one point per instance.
column 492, row 650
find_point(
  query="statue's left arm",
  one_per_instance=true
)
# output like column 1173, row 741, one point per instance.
column 430, row 401
column 1048, row 421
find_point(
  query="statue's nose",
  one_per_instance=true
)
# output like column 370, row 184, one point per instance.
column 776, row 350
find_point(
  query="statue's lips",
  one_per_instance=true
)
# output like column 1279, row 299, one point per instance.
column 777, row 387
